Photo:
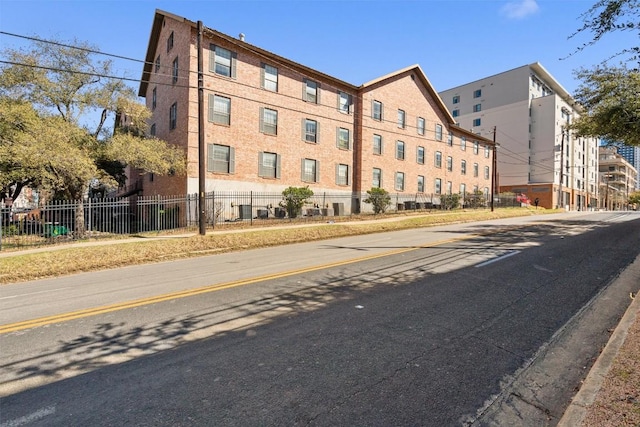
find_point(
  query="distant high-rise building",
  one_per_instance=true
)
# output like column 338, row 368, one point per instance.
column 632, row 155
column 529, row 111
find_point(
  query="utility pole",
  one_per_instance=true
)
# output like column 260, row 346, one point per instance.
column 494, row 175
column 561, row 170
column 202, row 217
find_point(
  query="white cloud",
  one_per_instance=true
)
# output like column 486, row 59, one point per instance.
column 520, row 9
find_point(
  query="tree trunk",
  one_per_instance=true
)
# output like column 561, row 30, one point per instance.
column 80, row 230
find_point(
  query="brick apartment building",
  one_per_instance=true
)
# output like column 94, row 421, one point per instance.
column 271, row 123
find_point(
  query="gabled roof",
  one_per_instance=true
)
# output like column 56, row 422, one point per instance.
column 155, row 34
column 425, row 81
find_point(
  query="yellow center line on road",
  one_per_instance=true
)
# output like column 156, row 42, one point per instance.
column 63, row 317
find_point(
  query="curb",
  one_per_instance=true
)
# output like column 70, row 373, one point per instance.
column 577, row 410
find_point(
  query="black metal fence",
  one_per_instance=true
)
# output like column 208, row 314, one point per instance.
column 57, row 221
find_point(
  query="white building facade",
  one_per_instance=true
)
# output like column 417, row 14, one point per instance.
column 527, row 111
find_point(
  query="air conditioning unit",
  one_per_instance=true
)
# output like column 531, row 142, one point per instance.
column 244, row 211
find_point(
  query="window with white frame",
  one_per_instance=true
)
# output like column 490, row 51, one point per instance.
column 310, row 130
column 222, row 61
column 438, row 159
column 219, row 109
column 344, row 102
column 463, row 143
column 438, row 132
column 450, row 139
column 420, row 125
column 377, row 144
column 475, row 170
column 342, row 174
column 220, row 159
column 343, row 139
column 449, row 164
column 310, row 170
column 269, row 165
column 476, row 147
column 420, row 155
column 400, row 150
column 174, row 71
column 438, row 186
column 420, row 184
column 376, row 110
column 486, row 172
column 401, row 119
column 463, row 167
column 449, row 187
column 269, row 77
column 268, row 121
column 376, row 181
column 400, row 181
column 173, row 116
column 310, row 92
column 487, row 150
column 463, row 190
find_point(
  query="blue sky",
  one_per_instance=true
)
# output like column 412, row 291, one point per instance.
column 454, row 41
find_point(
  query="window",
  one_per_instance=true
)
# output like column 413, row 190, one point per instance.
column 158, row 63
column 399, row 150
column 174, row 71
column 420, row 126
column 420, row 184
column 463, row 167
column 463, row 143
column 477, row 108
column 310, row 170
column 449, row 187
column 438, row 159
column 343, row 139
column 173, row 115
column 463, row 190
column 152, row 131
column 456, row 99
column 310, row 130
column 420, row 155
column 268, row 121
column 475, row 147
column 269, row 77
column 222, row 61
column 450, row 139
column 342, row 174
column 376, row 110
column 475, row 170
column 477, row 93
column 377, row 144
column 438, row 186
column 400, row 181
column 170, row 42
column 438, row 132
column 477, row 122
column 220, row 159
column 311, row 92
column 486, row 151
column 486, row 172
column 376, row 181
column 455, row 113
column 449, row 164
column 219, row 110
column 401, row 119
column 344, row 102
column 269, row 165
column 154, row 98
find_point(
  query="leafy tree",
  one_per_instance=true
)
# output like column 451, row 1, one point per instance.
column 294, row 198
column 379, row 198
column 607, row 16
column 634, row 198
column 610, row 95
column 58, row 87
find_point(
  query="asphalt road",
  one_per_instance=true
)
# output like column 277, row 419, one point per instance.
column 490, row 323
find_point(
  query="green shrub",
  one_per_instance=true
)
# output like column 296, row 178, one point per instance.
column 294, row 198
column 379, row 198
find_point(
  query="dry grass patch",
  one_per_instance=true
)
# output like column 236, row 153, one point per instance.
column 61, row 261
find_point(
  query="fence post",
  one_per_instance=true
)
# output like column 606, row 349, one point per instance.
column 158, row 214
column 251, row 204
